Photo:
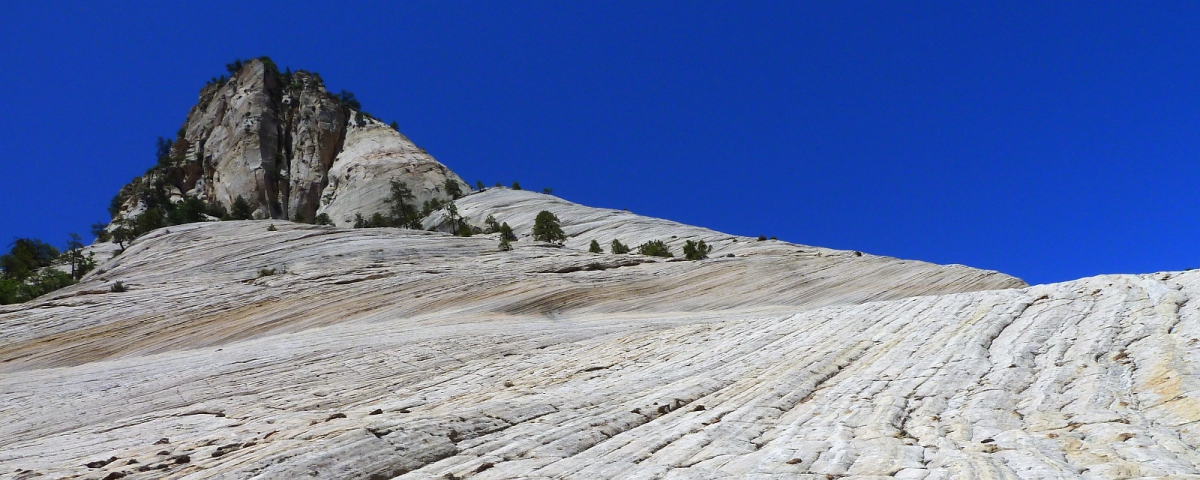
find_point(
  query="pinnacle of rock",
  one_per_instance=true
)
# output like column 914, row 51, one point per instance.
column 291, row 149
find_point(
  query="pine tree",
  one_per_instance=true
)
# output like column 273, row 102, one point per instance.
column 546, row 228
column 595, row 247
column 453, row 189
column 241, row 209
column 492, row 226
column 618, row 247
column 696, row 251
column 655, row 248
column 403, row 214
column 507, row 232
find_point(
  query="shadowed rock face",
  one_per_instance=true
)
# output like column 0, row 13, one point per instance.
column 292, row 150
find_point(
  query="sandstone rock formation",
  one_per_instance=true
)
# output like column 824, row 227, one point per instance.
column 239, row 352
column 291, row 149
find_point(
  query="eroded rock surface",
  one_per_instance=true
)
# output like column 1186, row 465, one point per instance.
column 381, row 353
column 285, row 144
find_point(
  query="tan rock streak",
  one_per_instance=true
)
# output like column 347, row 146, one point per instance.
column 381, row 353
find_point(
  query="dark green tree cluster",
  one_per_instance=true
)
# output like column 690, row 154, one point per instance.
column 618, row 247
column 25, row 272
column 595, row 247
column 347, row 99
column 402, row 211
column 491, row 225
column 546, row 228
column 696, row 250
column 453, row 189
column 655, row 248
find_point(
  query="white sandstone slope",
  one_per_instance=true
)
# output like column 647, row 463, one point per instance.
column 382, row 353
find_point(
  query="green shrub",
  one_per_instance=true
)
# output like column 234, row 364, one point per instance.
column 504, row 245
column 655, row 248
column 516, row 185
column 402, row 213
column 546, row 228
column 431, row 206
column 347, row 99
column 762, row 238
column 696, row 251
column 216, row 210
column 479, row 185
column 118, row 201
column 271, row 228
column 453, row 189
column 25, row 257
column 618, row 247
column 595, row 247
column 464, row 230
column 9, row 287
column 506, row 232
column 323, row 219
column 491, row 225
column 378, row 221
column 548, row 190
column 99, row 230
column 47, row 280
column 118, row 287
column 190, row 210
column 241, row 209
column 150, row 220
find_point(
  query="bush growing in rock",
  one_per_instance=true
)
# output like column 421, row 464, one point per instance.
column 516, row 185
column 504, row 245
column 618, row 247
column 323, row 219
column 99, row 230
column 241, row 209
column 431, row 206
column 655, row 248
column 595, row 247
column 453, row 189
column 491, row 225
column 26, row 275
column 403, row 213
column 696, row 250
column 546, row 228
column 506, row 232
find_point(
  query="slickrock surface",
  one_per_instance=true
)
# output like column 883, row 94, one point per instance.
column 385, row 352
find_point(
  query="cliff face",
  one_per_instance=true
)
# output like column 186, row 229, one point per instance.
column 290, row 148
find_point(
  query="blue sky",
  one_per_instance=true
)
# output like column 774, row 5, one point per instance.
column 1048, row 140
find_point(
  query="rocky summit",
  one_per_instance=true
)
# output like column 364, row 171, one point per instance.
column 290, row 148
column 276, row 349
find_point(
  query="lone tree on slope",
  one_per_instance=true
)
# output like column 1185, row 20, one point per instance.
column 403, row 214
column 546, row 228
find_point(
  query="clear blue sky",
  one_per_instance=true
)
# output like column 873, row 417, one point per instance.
column 1048, row 140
